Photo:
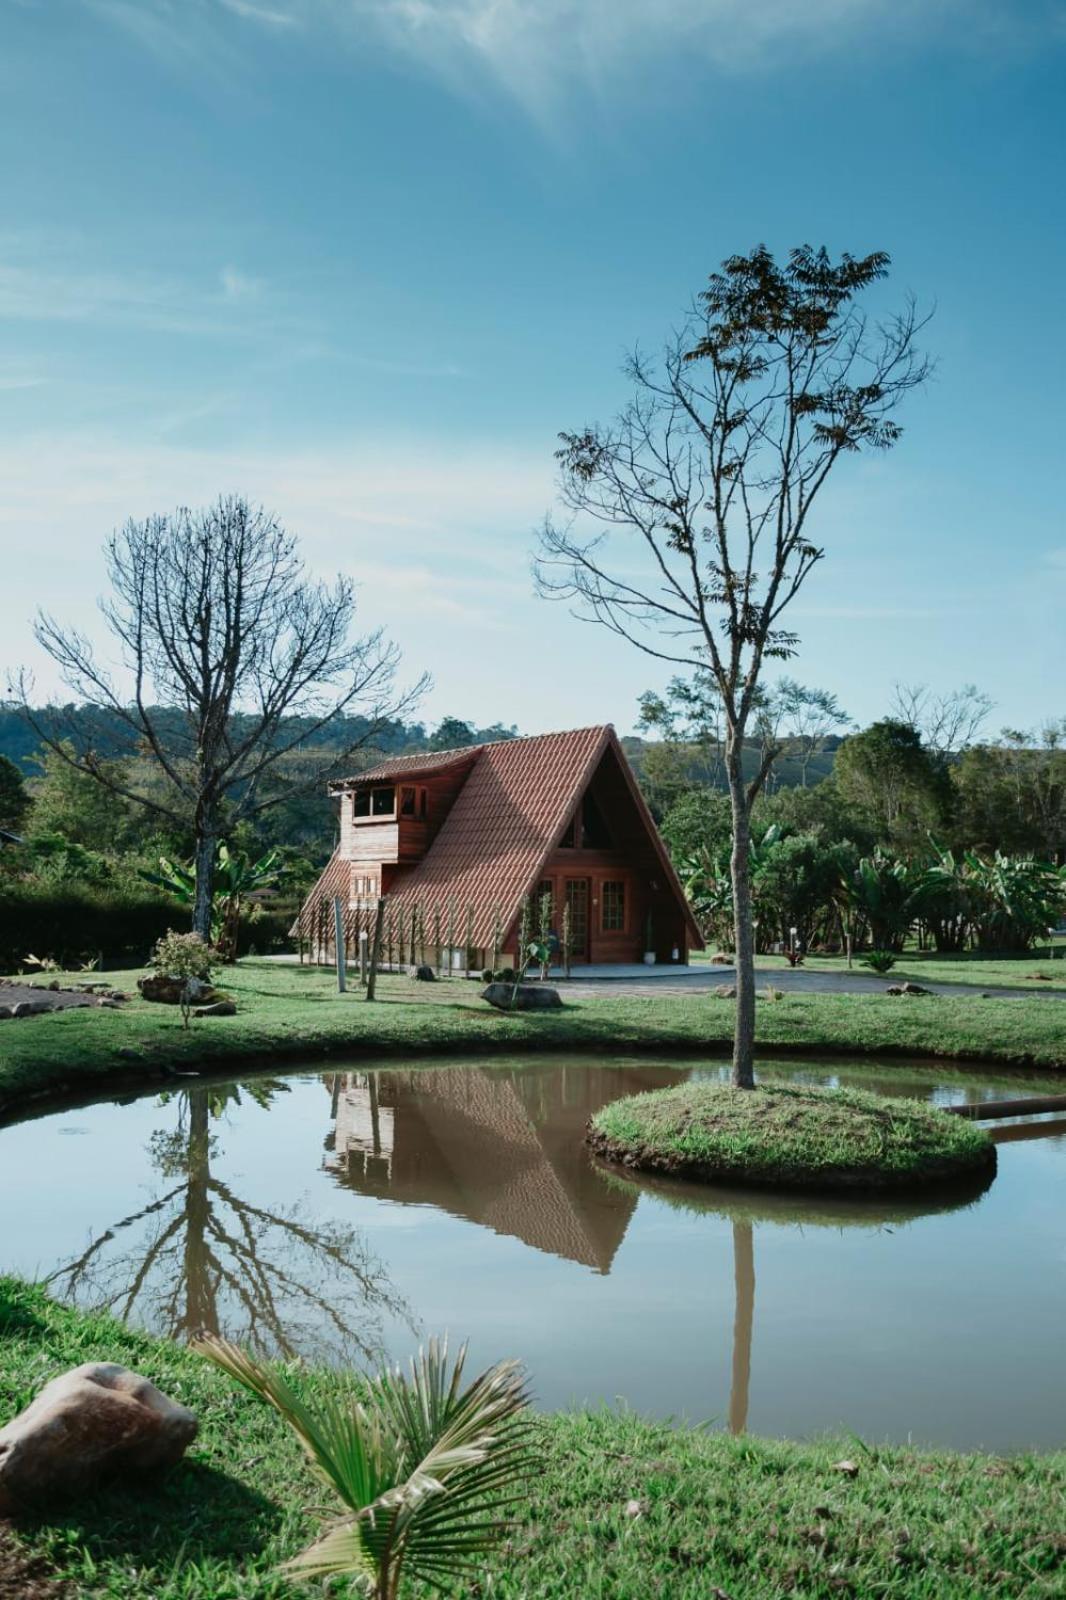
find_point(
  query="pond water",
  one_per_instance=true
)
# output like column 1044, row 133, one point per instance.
column 349, row 1214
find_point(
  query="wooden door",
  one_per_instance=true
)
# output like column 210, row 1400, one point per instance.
column 578, row 896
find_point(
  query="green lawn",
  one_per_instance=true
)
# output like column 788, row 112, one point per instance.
column 928, row 966
column 621, row 1509
column 789, row 1135
column 295, row 1013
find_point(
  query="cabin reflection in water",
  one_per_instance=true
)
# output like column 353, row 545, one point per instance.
column 501, row 1148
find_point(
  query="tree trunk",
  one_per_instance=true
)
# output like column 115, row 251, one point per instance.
column 744, row 932
column 204, row 859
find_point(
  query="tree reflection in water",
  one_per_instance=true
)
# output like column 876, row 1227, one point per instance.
column 203, row 1257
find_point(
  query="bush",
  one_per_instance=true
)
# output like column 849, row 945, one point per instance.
column 76, row 923
column 183, row 955
column 486, row 976
column 504, row 975
column 878, row 960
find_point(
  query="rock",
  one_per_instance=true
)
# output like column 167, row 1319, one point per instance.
column 168, row 991
column 6, row 1012
column 721, row 960
column 220, row 1008
column 423, row 974
column 30, row 1008
column 128, row 1054
column 725, row 991
column 90, row 1422
column 907, row 988
column 529, row 997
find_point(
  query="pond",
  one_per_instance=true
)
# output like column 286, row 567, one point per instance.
column 348, row 1214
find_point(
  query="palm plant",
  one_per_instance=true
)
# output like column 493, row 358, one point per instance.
column 429, row 1471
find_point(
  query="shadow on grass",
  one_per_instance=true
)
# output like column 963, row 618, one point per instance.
column 195, row 1513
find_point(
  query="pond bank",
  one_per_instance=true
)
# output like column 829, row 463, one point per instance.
column 621, row 1507
column 290, row 1014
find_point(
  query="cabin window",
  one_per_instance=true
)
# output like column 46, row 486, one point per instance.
column 408, row 802
column 361, row 804
column 595, row 833
column 613, row 908
column 382, row 802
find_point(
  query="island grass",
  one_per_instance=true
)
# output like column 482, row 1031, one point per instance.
column 295, row 1013
column 790, row 1135
column 622, row 1507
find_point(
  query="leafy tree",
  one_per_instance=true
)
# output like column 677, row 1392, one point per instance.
column 218, row 624
column 14, row 801
column 68, row 801
column 713, row 470
column 891, row 778
column 794, row 885
column 1011, row 795
column 808, row 718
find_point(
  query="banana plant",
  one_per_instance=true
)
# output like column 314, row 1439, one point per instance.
column 429, row 1473
column 236, row 876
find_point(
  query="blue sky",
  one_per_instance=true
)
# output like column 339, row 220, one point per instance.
column 363, row 259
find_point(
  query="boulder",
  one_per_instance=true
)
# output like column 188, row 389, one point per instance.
column 725, row 991
column 907, row 988
column 424, row 974
column 220, row 1008
column 91, row 1422
column 168, row 991
column 529, row 997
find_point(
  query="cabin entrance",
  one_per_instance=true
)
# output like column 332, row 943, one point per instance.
column 577, row 898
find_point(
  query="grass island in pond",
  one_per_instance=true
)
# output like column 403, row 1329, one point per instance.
column 791, row 1135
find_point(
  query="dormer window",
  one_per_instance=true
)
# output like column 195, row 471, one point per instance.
column 373, row 805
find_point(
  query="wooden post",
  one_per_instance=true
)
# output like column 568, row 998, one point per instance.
column 363, row 938
column 338, row 938
column 469, row 938
column 375, row 950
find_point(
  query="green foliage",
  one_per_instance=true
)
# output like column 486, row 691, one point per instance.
column 878, row 960
column 182, row 955
column 235, row 877
column 428, row 1471
column 76, row 922
column 14, row 801
column 887, row 773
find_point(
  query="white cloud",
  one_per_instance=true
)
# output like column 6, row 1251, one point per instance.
column 544, row 53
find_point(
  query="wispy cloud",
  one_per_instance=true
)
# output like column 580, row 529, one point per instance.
column 543, row 53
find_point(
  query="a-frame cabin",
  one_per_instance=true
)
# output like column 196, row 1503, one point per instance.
column 468, row 835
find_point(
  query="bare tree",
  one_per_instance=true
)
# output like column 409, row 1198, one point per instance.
column 231, row 659
column 713, row 469
column 808, row 718
column 947, row 722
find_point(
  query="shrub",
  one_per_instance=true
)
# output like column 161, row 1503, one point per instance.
column 73, row 923
column 504, row 975
column 486, row 976
column 878, row 960
column 183, row 955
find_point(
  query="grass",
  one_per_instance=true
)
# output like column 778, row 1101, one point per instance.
column 930, row 966
column 295, row 1013
column 622, row 1508
column 791, row 1135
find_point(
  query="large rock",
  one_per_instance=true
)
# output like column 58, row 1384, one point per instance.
column 91, row 1422
column 424, row 974
column 907, row 988
column 168, row 991
column 530, row 997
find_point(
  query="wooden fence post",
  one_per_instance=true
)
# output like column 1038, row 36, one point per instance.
column 338, row 935
column 375, row 950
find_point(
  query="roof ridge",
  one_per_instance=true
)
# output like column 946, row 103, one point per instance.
column 488, row 744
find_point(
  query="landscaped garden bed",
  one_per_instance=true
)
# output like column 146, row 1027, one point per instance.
column 793, row 1136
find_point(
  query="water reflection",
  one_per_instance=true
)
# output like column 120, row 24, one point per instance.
column 501, row 1148
column 199, row 1256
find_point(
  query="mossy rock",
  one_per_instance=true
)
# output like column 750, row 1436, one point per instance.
column 791, row 1136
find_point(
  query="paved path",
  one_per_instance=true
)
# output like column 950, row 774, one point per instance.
column 696, row 980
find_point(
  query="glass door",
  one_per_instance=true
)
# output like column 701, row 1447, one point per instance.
column 577, row 898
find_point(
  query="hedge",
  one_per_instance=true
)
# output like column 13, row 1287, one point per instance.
column 75, row 924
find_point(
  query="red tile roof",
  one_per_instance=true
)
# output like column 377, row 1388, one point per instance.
column 507, row 817
column 409, row 766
